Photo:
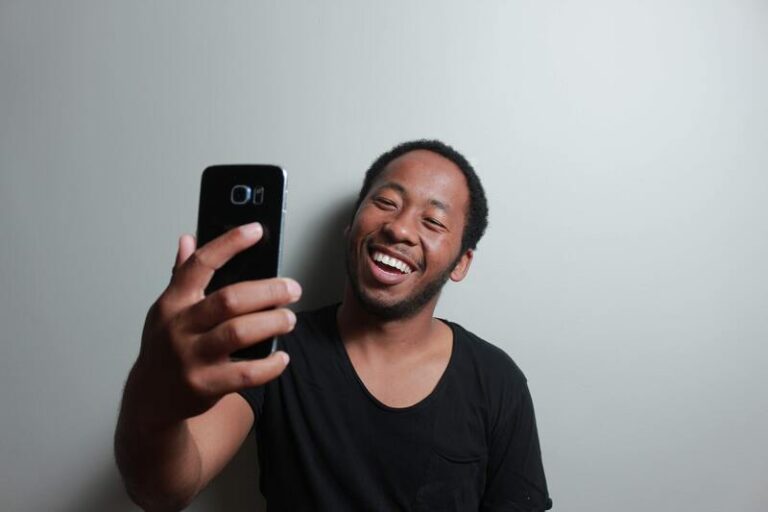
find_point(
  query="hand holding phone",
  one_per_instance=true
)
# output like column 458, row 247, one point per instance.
column 184, row 365
column 234, row 195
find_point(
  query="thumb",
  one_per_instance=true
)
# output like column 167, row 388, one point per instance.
column 187, row 245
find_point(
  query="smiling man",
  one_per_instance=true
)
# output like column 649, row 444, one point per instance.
column 382, row 407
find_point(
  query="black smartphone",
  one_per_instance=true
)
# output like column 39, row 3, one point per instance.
column 233, row 195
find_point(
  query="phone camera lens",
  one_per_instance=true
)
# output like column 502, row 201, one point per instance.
column 240, row 194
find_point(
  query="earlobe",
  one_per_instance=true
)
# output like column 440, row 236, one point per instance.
column 461, row 268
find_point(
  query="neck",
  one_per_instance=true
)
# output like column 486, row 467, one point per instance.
column 358, row 326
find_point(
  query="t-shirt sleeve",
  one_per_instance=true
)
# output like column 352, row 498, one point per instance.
column 515, row 480
column 255, row 398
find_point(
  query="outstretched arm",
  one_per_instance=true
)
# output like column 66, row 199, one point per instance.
column 181, row 421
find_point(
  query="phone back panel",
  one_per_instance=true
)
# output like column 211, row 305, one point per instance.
column 233, row 195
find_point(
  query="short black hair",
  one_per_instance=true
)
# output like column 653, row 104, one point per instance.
column 477, row 215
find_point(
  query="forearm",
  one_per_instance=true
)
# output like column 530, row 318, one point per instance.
column 160, row 464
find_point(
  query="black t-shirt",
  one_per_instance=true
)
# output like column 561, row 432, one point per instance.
column 325, row 443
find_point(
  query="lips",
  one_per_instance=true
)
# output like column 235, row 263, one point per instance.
column 392, row 262
column 388, row 267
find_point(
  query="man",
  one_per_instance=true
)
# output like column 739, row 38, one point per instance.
column 383, row 407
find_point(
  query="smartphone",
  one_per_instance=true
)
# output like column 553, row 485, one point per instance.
column 233, row 195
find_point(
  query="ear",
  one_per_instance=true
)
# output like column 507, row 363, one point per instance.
column 346, row 230
column 461, row 268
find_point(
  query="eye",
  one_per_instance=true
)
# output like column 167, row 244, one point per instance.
column 385, row 203
column 434, row 223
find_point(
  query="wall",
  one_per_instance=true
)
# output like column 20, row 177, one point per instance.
column 624, row 147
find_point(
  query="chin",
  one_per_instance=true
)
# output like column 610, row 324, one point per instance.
column 389, row 311
column 399, row 309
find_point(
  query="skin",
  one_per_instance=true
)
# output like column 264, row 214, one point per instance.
column 181, row 419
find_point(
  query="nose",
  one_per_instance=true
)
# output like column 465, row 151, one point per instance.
column 402, row 229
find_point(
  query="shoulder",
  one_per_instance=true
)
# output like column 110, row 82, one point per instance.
column 490, row 360
column 494, row 373
column 488, row 377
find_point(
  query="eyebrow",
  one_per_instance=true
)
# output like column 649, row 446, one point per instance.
column 401, row 190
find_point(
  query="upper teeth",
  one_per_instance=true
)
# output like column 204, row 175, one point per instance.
column 392, row 262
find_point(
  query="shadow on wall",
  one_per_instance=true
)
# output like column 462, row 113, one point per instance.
column 236, row 489
column 104, row 492
column 322, row 271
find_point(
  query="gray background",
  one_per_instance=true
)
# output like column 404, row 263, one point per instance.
column 624, row 147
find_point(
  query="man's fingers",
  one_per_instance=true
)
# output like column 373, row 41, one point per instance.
column 186, row 248
column 229, row 377
column 244, row 331
column 196, row 271
column 240, row 299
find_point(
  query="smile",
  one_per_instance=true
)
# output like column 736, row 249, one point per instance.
column 391, row 262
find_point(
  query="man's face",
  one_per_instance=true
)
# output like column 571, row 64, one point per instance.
column 405, row 239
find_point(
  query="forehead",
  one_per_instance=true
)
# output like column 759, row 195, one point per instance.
column 428, row 175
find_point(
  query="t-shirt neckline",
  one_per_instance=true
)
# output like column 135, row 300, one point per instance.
column 349, row 368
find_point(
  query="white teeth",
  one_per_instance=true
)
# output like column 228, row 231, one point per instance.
column 392, row 262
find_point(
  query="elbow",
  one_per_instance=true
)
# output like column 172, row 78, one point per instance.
column 152, row 499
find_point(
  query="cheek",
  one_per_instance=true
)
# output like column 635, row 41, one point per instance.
column 356, row 232
column 440, row 249
column 359, row 231
column 434, row 248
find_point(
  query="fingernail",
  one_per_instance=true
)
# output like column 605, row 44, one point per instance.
column 286, row 358
column 252, row 229
column 291, row 318
column 294, row 289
